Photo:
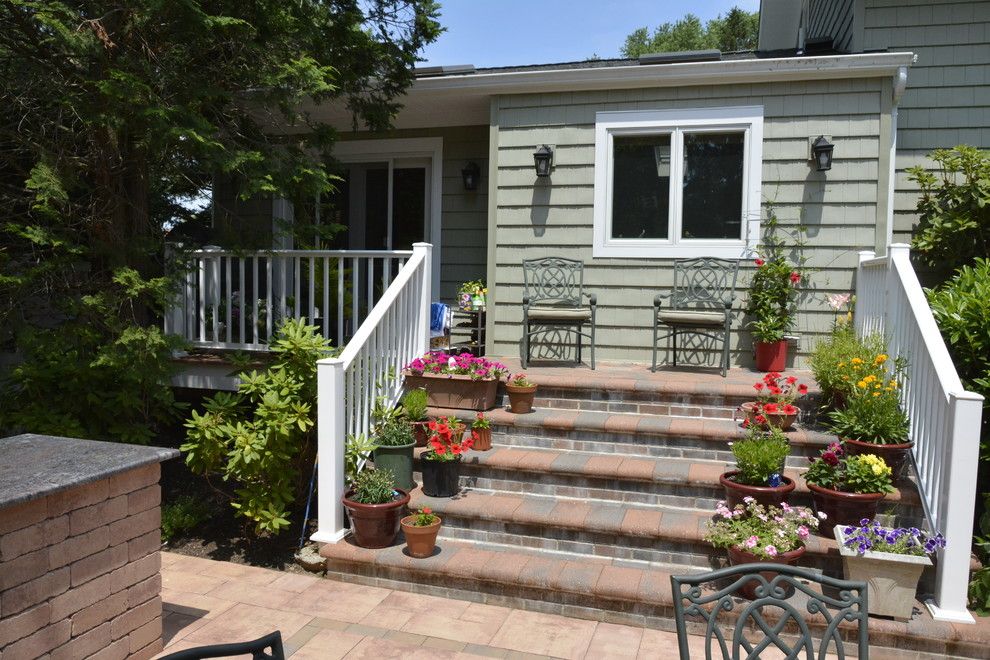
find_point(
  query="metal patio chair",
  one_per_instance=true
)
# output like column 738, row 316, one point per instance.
column 700, row 302
column 257, row 649
column 782, row 596
column 554, row 297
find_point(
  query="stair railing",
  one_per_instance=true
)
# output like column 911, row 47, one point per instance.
column 395, row 332
column 945, row 418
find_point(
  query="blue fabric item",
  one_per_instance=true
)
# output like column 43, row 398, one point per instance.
column 438, row 317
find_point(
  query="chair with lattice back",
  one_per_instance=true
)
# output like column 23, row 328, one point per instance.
column 788, row 612
column 700, row 302
column 554, row 297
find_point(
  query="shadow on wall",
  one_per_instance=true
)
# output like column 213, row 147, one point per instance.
column 539, row 207
column 814, row 202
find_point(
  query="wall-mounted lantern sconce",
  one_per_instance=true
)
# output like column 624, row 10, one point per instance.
column 821, row 152
column 544, row 159
column 471, row 174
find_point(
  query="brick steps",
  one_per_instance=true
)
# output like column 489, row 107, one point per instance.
column 591, row 588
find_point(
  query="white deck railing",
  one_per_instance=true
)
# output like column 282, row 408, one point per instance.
column 235, row 299
column 395, row 332
column 945, row 419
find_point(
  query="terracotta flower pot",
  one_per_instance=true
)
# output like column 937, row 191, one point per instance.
column 739, row 557
column 895, row 456
column 420, row 541
column 440, row 478
column 376, row 525
column 782, row 421
column 843, row 508
column 771, row 356
column 420, row 432
column 455, row 391
column 520, row 398
column 483, row 439
column 765, row 495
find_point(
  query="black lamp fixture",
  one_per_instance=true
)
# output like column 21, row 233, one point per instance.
column 544, row 159
column 821, row 151
column 471, row 174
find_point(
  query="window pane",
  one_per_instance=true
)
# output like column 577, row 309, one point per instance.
column 713, row 185
column 641, row 186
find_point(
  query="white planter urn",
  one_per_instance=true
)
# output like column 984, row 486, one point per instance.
column 892, row 579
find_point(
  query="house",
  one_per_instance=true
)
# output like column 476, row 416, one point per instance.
column 729, row 136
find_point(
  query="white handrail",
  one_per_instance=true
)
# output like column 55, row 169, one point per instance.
column 945, row 419
column 395, row 332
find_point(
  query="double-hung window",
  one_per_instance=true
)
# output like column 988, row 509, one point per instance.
column 678, row 183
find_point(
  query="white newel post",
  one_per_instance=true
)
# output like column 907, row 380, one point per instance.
column 952, row 578
column 426, row 281
column 862, row 282
column 330, row 450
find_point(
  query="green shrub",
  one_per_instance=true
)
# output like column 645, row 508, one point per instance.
column 414, row 404
column 374, row 487
column 395, row 434
column 760, row 455
column 260, row 439
column 357, row 451
column 183, row 515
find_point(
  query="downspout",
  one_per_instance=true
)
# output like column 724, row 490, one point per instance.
column 491, row 274
column 900, row 84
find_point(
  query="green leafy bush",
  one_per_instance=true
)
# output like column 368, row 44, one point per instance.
column 357, row 452
column 183, row 515
column 872, row 414
column 832, row 357
column 395, row 434
column 760, row 455
column 373, row 487
column 414, row 404
column 260, row 439
column 98, row 374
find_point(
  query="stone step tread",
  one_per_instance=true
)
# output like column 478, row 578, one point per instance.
column 609, row 518
column 726, row 430
column 548, row 572
column 623, row 467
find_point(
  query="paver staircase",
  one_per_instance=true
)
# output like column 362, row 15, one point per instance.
column 585, row 506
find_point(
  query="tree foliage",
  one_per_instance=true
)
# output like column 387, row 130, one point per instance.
column 737, row 30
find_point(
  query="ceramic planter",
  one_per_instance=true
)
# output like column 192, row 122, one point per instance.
column 765, row 495
column 781, row 421
column 520, row 398
column 376, row 525
column 843, row 508
column 420, row 541
column 895, row 456
column 420, row 432
column 739, row 557
column 892, row 578
column 771, row 356
column 483, row 439
column 399, row 461
column 440, row 478
column 455, row 391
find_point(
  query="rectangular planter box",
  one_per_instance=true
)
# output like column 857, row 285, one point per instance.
column 453, row 391
column 892, row 579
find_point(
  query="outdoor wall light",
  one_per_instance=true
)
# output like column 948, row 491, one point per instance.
column 544, row 159
column 471, row 174
column 821, row 151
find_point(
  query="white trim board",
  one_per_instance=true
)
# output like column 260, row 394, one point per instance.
column 646, row 122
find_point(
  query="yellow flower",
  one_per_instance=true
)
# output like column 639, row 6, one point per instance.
column 878, row 386
column 877, row 469
column 861, row 384
column 842, row 364
column 870, row 378
column 876, row 394
column 880, row 359
column 856, row 361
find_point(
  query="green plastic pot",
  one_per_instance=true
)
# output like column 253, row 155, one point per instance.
column 399, row 461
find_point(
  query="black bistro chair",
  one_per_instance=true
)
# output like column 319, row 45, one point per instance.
column 257, row 648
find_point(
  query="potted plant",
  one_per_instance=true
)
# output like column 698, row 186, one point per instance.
column 420, row 530
column 471, row 296
column 753, row 533
column 759, row 469
column 890, row 561
column 441, row 463
column 841, row 360
column 375, row 507
column 847, row 488
column 773, row 292
column 414, row 406
column 394, row 443
column 775, row 402
column 481, row 429
column 872, row 421
column 521, row 392
column 456, row 381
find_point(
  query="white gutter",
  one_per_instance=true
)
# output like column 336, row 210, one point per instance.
column 865, row 65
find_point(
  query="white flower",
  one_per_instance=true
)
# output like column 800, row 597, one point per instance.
column 822, row 515
column 452, row 363
column 748, row 500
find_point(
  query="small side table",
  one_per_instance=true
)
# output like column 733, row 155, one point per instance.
column 467, row 332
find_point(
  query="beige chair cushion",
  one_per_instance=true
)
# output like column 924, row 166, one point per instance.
column 690, row 317
column 559, row 314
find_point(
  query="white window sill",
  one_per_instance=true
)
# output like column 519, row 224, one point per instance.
column 668, row 251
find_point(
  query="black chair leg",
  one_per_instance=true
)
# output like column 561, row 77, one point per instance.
column 579, row 338
column 675, row 345
column 525, row 360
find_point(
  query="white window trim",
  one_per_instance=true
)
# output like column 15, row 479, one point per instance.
column 647, row 122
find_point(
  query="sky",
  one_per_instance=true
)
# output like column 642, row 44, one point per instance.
column 512, row 32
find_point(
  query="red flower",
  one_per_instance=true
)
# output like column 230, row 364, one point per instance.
column 440, row 450
column 790, row 410
column 427, row 509
column 774, row 389
column 745, row 424
column 759, row 262
column 442, row 429
column 455, row 448
column 760, row 419
column 830, row 458
column 771, row 408
column 432, row 425
column 802, row 388
column 758, row 386
column 795, row 278
column 791, row 380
